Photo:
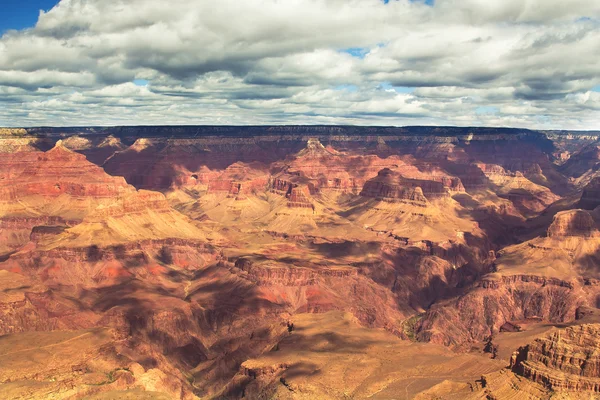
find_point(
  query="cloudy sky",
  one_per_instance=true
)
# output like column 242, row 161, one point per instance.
column 521, row 63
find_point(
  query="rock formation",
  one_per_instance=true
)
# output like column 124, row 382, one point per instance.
column 590, row 197
column 39, row 179
column 567, row 360
column 573, row 223
column 546, row 277
column 222, row 262
column 393, row 186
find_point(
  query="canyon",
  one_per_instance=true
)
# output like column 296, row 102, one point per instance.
column 299, row 262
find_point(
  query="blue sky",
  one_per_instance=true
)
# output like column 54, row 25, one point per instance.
column 19, row 14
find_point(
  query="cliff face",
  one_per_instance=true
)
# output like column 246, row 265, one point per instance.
column 317, row 289
column 582, row 161
column 547, row 278
column 566, row 360
column 482, row 311
column 96, row 149
column 238, row 180
column 70, row 210
column 590, row 197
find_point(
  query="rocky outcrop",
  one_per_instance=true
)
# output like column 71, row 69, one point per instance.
column 392, row 186
column 22, row 144
column 298, row 198
column 30, row 222
column 96, row 149
column 16, row 231
column 12, row 132
column 471, row 176
column 566, row 360
column 317, row 288
column 346, row 171
column 45, row 232
column 573, row 223
column 297, row 195
column 314, row 148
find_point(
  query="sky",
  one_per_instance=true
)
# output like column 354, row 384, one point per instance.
column 21, row 14
column 517, row 63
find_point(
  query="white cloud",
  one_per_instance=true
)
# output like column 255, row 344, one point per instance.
column 534, row 62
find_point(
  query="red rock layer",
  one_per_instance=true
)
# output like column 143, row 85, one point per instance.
column 220, row 186
column 330, row 169
column 13, row 223
column 319, row 289
column 162, row 164
column 289, row 275
column 135, row 202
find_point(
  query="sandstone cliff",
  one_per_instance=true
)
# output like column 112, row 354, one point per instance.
column 566, row 360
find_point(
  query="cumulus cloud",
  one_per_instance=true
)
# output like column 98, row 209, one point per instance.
column 527, row 63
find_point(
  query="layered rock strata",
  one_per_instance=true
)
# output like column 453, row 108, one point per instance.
column 567, row 360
